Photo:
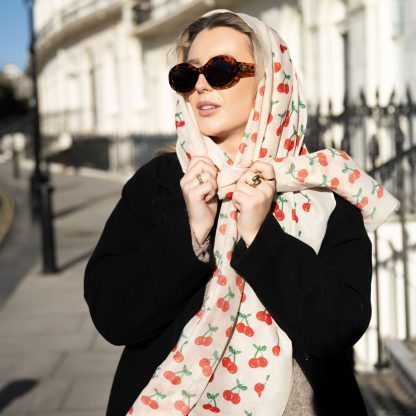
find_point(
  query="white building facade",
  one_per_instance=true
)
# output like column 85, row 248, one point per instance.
column 103, row 71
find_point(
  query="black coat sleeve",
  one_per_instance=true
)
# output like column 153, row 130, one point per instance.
column 143, row 269
column 322, row 301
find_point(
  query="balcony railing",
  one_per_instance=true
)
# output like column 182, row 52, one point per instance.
column 74, row 12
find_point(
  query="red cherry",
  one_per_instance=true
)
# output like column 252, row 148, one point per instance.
column 235, row 398
column 306, row 206
column 221, row 280
column 215, row 410
column 232, row 368
column 179, row 123
column 228, row 331
column 282, row 48
column 220, row 302
column 281, row 87
column 286, row 88
column 226, row 306
column 380, row 191
column 178, row 357
column 303, row 173
column 248, row 331
column 253, row 137
column 145, row 399
column 243, row 297
column 227, row 394
column 279, row 131
column 277, row 66
column 203, row 362
column 270, row 118
column 279, row 214
column 208, row 341
column 185, row 410
column 223, row 228
column 168, row 375
column 334, row 183
column 261, row 315
column 131, row 410
column 276, row 350
column 258, row 388
column 268, row 319
column 240, row 327
column 179, row 404
column 176, row 380
column 263, row 152
column 226, row 361
column 207, row 371
column 256, row 116
column 263, row 362
column 199, row 340
column 289, row 144
column 253, row 362
column 153, row 404
column 242, row 147
column 261, row 90
column 207, row 406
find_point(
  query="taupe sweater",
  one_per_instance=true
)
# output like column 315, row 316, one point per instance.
column 301, row 396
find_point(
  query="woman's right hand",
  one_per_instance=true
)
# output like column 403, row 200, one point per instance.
column 200, row 199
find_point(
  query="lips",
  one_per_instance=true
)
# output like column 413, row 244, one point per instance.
column 206, row 108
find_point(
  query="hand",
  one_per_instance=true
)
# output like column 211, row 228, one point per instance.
column 200, row 199
column 253, row 204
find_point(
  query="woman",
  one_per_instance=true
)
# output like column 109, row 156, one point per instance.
column 237, row 270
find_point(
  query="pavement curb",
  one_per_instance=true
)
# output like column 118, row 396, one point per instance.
column 7, row 208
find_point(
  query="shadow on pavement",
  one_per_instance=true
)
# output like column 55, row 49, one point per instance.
column 74, row 261
column 15, row 389
column 84, row 205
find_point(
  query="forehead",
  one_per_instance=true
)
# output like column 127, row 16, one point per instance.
column 220, row 41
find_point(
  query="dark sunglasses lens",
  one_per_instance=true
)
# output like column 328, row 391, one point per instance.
column 220, row 73
column 182, row 78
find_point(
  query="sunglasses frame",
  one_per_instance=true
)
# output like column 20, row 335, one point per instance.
column 241, row 70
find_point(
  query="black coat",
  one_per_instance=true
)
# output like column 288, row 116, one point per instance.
column 143, row 283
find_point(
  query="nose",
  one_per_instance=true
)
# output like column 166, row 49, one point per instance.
column 202, row 84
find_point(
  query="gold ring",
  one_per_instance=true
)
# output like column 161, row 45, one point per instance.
column 198, row 176
column 266, row 179
column 255, row 181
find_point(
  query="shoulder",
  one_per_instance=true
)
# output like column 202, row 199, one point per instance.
column 346, row 222
column 152, row 170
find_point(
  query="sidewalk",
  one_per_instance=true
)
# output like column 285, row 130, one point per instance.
column 52, row 359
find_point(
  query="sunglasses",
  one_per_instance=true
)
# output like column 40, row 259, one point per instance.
column 221, row 72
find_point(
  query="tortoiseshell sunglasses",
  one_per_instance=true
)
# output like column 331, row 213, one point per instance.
column 221, row 72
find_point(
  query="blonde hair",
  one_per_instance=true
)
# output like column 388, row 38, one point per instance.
column 183, row 43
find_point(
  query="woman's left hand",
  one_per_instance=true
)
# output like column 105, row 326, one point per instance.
column 253, row 204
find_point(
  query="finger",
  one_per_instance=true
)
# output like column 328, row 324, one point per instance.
column 264, row 168
column 206, row 159
column 200, row 166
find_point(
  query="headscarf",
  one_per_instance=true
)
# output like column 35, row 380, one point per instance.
column 232, row 357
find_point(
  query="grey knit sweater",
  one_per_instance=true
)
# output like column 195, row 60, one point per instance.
column 301, row 396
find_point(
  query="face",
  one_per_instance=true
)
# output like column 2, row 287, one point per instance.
column 225, row 124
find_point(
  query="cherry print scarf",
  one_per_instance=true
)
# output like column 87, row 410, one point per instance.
column 232, row 358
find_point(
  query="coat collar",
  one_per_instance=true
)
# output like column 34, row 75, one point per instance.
column 170, row 174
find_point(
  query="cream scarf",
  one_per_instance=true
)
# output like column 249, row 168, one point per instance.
column 232, row 358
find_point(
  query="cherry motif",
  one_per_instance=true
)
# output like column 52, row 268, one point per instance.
column 223, row 303
column 178, row 356
column 206, row 340
column 263, row 152
column 259, row 387
column 263, row 316
column 153, row 404
column 322, row 159
column 205, row 364
column 261, row 361
column 243, row 328
column 334, row 183
column 188, row 155
column 302, row 174
column 233, row 397
column 254, row 137
column 212, row 407
column 242, row 147
column 228, row 363
column 181, row 406
column 174, row 378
